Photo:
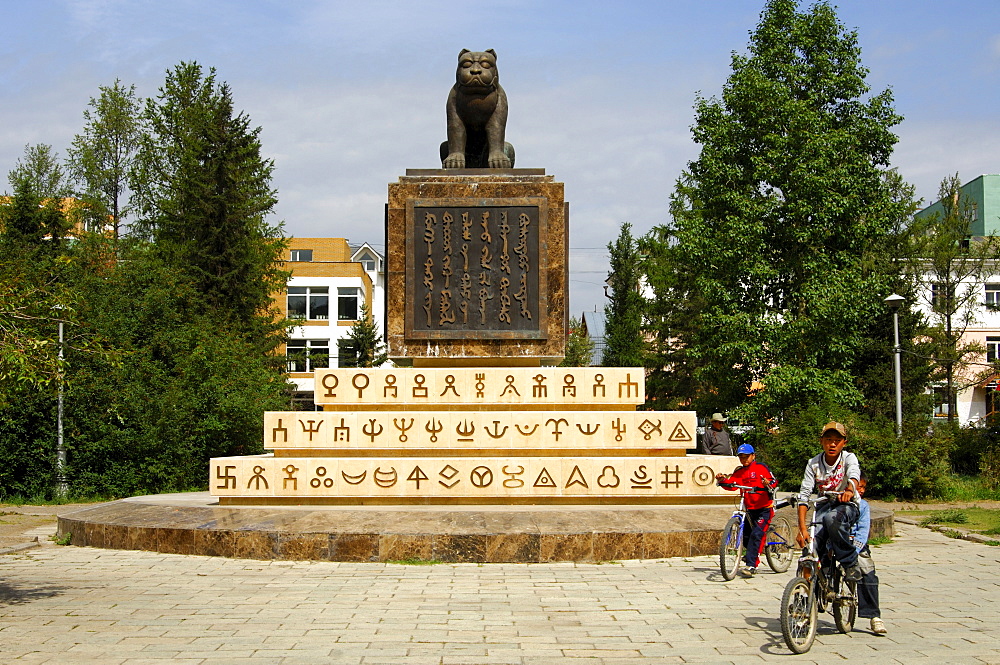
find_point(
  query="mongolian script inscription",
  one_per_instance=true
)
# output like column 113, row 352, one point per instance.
column 477, row 271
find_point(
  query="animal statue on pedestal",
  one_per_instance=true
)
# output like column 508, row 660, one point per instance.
column 477, row 116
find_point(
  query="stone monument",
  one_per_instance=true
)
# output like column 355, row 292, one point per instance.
column 474, row 411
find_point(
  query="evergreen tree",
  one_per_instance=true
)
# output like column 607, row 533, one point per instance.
column 623, row 327
column 784, row 225
column 579, row 346
column 366, row 342
column 204, row 193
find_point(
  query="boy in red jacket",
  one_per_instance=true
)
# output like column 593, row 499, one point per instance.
column 759, row 504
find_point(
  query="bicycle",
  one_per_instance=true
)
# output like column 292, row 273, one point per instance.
column 817, row 582
column 777, row 540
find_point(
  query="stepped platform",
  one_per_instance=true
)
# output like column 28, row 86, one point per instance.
column 195, row 523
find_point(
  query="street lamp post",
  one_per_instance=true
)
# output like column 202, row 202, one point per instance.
column 894, row 301
column 62, row 487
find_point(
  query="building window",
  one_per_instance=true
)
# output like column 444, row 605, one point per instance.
column 347, row 355
column 309, row 302
column 992, row 349
column 941, row 403
column 300, row 255
column 348, row 303
column 367, row 262
column 942, row 297
column 305, row 355
column 993, row 296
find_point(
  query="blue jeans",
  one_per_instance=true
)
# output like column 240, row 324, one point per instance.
column 836, row 532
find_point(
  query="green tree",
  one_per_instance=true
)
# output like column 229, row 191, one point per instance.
column 204, row 193
column 783, row 226
column 957, row 266
column 365, row 342
column 102, row 157
column 40, row 172
column 579, row 346
column 624, row 344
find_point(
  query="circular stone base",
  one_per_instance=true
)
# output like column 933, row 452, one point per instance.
column 194, row 523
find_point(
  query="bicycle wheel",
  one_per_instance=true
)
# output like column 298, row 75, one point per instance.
column 778, row 549
column 731, row 547
column 845, row 606
column 798, row 615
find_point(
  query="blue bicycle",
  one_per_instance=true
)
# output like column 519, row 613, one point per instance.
column 778, row 547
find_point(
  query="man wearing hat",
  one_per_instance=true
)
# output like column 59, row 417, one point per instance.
column 715, row 440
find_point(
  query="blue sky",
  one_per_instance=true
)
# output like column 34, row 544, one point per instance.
column 350, row 94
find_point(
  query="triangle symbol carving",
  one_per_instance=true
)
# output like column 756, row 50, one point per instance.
column 544, row 479
column 679, row 433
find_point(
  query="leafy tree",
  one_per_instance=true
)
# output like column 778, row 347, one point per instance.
column 204, row 194
column 579, row 346
column 102, row 158
column 40, row 172
column 957, row 267
column 783, row 226
column 623, row 328
column 366, row 342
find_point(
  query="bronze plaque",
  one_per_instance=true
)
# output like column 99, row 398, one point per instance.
column 473, row 268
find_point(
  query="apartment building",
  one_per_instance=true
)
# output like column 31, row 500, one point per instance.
column 331, row 281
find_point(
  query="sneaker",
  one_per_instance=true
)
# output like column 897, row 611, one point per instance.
column 748, row 572
column 852, row 573
column 878, row 626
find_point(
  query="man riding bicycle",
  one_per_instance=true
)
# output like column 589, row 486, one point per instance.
column 833, row 470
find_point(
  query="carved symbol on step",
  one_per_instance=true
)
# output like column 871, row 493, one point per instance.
column 465, row 429
column 628, row 384
column 450, row 385
column 590, row 430
column 258, row 477
column 279, row 428
column 512, row 481
column 225, row 477
column 544, row 479
column 326, row 482
column 576, row 478
column 481, row 476
column 510, row 386
column 555, row 428
column 648, row 427
column 402, row 427
column 497, row 432
column 608, row 477
column 390, row 384
column 350, row 480
column 342, row 433
column 448, row 472
column 290, row 476
column 676, row 473
column 370, row 431
column 385, row 478
column 702, row 476
column 311, row 429
column 417, row 475
column 361, row 389
column 619, row 427
column 539, row 389
column 599, row 383
column 679, row 433
column 641, row 480
column 419, row 390
column 569, row 390
column 529, row 432
column 434, row 427
column 480, row 385
column 329, row 388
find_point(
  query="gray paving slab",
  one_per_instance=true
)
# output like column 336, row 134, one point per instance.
column 80, row 605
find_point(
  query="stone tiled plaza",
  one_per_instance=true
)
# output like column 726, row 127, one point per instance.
column 82, row 605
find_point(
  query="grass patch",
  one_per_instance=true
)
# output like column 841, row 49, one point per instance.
column 63, row 539
column 415, row 561
column 878, row 541
column 963, row 489
column 978, row 520
column 39, row 500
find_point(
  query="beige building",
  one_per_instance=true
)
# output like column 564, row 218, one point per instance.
column 331, row 281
